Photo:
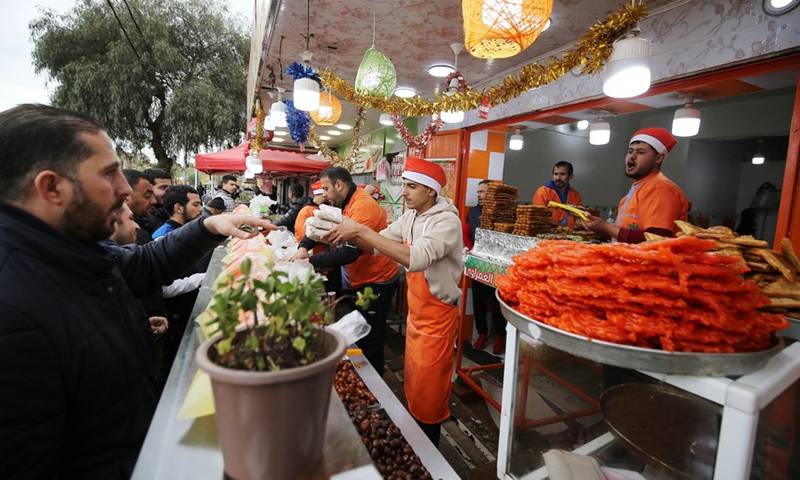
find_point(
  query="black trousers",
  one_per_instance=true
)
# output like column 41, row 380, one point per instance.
column 376, row 314
column 483, row 300
column 432, row 430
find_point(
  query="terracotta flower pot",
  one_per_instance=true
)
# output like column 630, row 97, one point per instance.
column 272, row 424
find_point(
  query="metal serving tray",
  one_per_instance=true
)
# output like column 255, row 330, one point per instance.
column 638, row 358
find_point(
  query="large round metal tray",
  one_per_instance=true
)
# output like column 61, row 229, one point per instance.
column 638, row 358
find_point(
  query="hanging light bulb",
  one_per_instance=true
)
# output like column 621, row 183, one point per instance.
column 306, row 95
column 583, row 124
column 385, row 119
column 253, row 163
column 269, row 124
column 325, row 111
column 627, row 73
column 278, row 112
column 600, row 132
column 758, row 157
column 516, row 142
column 453, row 116
column 686, row 122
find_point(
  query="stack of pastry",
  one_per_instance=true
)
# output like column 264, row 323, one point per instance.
column 498, row 205
column 533, row 220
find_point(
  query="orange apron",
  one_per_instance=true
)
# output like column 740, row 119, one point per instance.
column 428, row 366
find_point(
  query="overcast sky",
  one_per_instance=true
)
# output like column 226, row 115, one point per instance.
column 18, row 81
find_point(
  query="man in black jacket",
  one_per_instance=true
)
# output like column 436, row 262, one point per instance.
column 298, row 201
column 77, row 386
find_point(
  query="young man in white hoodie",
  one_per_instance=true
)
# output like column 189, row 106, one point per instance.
column 427, row 241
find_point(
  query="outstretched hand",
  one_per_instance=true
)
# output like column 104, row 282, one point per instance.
column 228, row 225
column 345, row 231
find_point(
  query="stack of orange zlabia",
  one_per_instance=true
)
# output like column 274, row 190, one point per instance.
column 673, row 294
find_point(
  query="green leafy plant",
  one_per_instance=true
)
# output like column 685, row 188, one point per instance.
column 283, row 319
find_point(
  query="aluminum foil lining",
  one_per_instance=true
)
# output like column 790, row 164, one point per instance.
column 500, row 247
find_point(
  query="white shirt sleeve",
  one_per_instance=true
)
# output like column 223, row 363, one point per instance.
column 183, row 285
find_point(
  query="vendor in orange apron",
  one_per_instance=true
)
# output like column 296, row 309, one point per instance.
column 308, row 211
column 653, row 202
column 559, row 190
column 427, row 241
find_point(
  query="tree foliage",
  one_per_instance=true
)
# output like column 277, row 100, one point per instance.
column 169, row 74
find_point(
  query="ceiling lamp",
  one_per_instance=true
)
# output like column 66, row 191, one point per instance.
column 686, row 122
column 269, row 124
column 385, row 119
column 405, row 92
column 344, row 126
column 335, row 133
column 516, row 142
column 758, row 157
column 779, row 7
column 278, row 111
column 600, row 132
column 627, row 73
column 253, row 163
column 440, row 70
column 583, row 124
column 306, row 82
column 376, row 74
column 503, row 28
column 452, row 116
column 330, row 109
column 324, row 137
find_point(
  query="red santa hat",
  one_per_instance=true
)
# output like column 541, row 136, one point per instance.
column 659, row 138
column 425, row 173
column 316, row 188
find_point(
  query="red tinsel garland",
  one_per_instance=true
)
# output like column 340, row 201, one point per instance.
column 417, row 144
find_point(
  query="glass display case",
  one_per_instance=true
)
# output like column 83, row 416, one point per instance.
column 659, row 425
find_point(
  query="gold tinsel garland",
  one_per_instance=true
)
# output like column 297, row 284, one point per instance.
column 257, row 143
column 590, row 53
column 330, row 154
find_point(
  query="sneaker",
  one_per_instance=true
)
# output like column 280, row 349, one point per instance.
column 481, row 342
column 499, row 346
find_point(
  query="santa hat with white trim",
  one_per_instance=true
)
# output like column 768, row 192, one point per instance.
column 316, row 188
column 425, row 173
column 659, row 138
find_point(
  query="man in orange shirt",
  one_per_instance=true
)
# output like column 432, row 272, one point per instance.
column 654, row 202
column 360, row 269
column 559, row 190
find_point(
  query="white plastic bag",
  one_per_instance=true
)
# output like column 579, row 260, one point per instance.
column 302, row 270
column 260, row 205
column 331, row 214
column 281, row 239
column 353, row 327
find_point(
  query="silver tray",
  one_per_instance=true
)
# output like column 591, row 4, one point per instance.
column 638, row 358
column 793, row 330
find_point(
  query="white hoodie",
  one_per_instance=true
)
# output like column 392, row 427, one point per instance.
column 436, row 242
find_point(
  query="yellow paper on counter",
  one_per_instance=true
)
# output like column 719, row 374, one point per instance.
column 204, row 322
column 199, row 401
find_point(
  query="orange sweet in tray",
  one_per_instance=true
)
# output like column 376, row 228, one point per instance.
column 673, row 294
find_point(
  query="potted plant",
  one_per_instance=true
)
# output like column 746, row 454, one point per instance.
column 271, row 366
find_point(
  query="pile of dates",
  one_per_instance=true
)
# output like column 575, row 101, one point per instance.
column 393, row 456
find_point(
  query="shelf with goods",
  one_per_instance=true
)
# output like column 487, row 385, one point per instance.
column 180, row 447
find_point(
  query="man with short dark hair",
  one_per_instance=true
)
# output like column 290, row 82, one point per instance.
column 77, row 385
column 653, row 202
column 559, row 190
column 360, row 269
column 215, row 206
column 228, row 188
column 183, row 203
column 142, row 197
column 297, row 200
column 126, row 229
column 161, row 182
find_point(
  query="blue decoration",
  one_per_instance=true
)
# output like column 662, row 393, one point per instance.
column 297, row 122
column 298, row 70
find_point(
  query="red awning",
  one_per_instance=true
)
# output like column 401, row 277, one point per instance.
column 275, row 161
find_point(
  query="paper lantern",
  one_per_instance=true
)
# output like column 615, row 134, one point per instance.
column 503, row 28
column 376, row 74
column 330, row 105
